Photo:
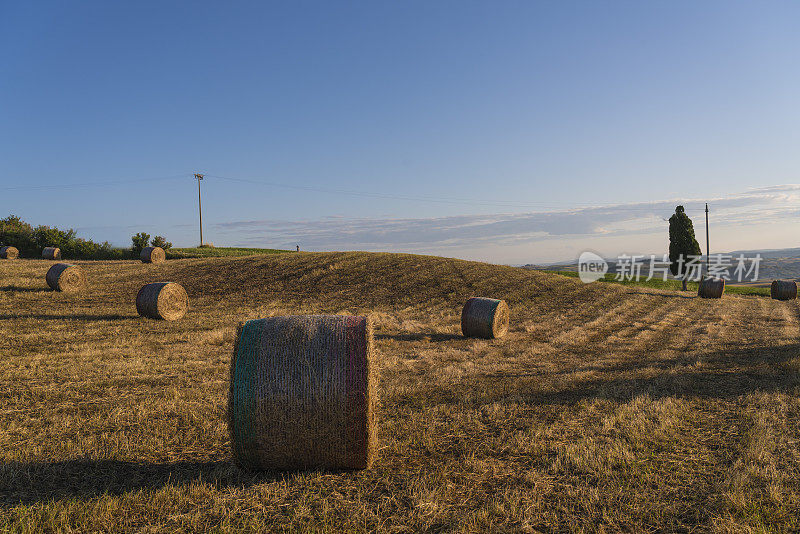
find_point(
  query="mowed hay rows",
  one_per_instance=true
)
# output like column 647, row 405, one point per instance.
column 585, row 305
column 332, row 282
column 589, row 318
column 672, row 413
column 152, row 255
column 51, row 253
column 302, row 393
column 65, row 277
column 162, row 300
column 654, row 312
column 783, row 289
column 9, row 253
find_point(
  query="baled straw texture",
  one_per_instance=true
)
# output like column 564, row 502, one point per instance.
column 9, row 253
column 65, row 277
column 152, row 255
column 711, row 288
column 485, row 318
column 51, row 253
column 783, row 289
column 162, row 300
column 303, row 393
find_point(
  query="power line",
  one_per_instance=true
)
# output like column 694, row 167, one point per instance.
column 93, row 184
column 367, row 194
column 554, row 205
column 566, row 205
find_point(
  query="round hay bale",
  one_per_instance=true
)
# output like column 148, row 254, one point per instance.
column 711, row 288
column 152, row 255
column 783, row 289
column 162, row 300
column 485, row 318
column 9, row 253
column 51, row 253
column 65, row 277
column 303, row 393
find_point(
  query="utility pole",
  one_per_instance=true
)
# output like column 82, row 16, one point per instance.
column 200, row 206
column 708, row 251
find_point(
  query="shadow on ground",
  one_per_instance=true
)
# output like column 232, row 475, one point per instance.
column 33, row 482
column 685, row 295
column 419, row 337
column 725, row 374
column 66, row 317
column 25, row 289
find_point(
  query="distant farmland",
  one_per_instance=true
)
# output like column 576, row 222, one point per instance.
column 775, row 264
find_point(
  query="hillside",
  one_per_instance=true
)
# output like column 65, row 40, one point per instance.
column 214, row 252
column 605, row 407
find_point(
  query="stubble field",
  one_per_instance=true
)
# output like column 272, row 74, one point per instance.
column 605, row 408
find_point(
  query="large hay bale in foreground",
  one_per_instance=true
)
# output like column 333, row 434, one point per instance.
column 303, row 393
column 51, row 253
column 783, row 289
column 9, row 253
column 162, row 300
column 152, row 255
column 485, row 318
column 711, row 288
column 65, row 277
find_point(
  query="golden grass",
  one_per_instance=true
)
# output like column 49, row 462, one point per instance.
column 604, row 407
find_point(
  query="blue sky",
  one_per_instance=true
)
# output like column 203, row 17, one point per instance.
column 511, row 132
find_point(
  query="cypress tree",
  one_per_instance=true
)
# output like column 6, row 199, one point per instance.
column 681, row 243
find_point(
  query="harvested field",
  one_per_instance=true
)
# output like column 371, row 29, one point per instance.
column 603, row 407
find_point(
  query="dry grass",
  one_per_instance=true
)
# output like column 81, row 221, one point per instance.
column 605, row 408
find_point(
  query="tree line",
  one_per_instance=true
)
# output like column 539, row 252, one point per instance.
column 30, row 241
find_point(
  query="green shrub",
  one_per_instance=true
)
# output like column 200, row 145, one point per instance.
column 30, row 241
column 17, row 233
column 45, row 236
column 80, row 248
column 160, row 241
column 140, row 241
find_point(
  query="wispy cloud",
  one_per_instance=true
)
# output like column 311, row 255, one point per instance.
column 767, row 204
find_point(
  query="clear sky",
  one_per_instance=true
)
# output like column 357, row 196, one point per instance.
column 511, row 132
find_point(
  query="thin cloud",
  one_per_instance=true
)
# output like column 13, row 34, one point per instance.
column 768, row 204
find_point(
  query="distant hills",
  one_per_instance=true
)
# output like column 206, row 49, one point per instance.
column 775, row 263
column 776, row 253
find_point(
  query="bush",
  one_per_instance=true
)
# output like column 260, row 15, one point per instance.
column 107, row 252
column 30, row 241
column 140, row 241
column 17, row 233
column 45, row 236
column 80, row 248
column 159, row 241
